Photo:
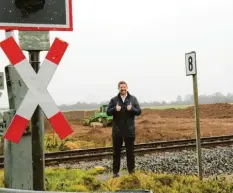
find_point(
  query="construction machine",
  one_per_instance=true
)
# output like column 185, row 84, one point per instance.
column 99, row 117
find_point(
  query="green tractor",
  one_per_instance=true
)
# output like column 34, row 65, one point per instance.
column 99, row 117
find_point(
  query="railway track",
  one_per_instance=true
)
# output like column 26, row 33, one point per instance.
column 144, row 148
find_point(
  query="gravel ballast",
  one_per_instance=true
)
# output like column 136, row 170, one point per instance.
column 215, row 161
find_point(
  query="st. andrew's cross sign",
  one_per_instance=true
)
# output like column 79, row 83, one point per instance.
column 37, row 93
column 36, row 15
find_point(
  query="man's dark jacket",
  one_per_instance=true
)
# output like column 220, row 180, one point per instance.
column 123, row 120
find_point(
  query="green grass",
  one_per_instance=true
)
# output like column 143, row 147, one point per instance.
column 80, row 180
column 170, row 107
column 151, row 107
column 93, row 109
column 75, row 180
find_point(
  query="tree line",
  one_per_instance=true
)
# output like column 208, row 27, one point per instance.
column 217, row 97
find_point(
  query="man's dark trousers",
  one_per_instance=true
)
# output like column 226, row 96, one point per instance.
column 129, row 145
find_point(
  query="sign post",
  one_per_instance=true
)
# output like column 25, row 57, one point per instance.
column 34, row 42
column 17, row 157
column 1, row 116
column 191, row 69
column 36, row 94
column 27, row 83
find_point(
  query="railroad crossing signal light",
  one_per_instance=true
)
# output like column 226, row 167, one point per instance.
column 36, row 15
column 29, row 6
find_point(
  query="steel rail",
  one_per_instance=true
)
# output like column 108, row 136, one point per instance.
column 143, row 148
column 143, row 151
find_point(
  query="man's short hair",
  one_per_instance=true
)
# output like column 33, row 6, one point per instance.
column 122, row 82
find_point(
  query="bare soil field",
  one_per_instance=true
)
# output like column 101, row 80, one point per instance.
column 166, row 124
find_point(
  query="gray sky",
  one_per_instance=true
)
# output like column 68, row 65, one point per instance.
column 143, row 42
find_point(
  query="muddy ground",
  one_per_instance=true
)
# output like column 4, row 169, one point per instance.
column 154, row 125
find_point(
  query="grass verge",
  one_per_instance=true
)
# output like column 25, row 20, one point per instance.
column 162, row 107
column 53, row 143
column 75, row 180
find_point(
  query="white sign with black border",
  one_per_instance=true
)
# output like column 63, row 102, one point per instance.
column 190, row 63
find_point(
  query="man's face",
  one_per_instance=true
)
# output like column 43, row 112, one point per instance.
column 123, row 89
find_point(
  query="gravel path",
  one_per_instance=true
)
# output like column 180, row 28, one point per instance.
column 216, row 161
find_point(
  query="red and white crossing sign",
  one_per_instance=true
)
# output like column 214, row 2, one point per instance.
column 37, row 93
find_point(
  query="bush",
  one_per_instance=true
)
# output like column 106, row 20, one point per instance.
column 72, row 180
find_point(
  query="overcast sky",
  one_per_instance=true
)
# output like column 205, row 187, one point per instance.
column 144, row 43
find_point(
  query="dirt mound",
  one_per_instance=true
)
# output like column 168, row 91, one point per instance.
column 95, row 132
column 144, row 122
column 153, row 125
column 217, row 111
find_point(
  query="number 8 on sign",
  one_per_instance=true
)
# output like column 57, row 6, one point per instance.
column 190, row 63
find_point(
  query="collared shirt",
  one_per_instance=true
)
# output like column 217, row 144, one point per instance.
column 123, row 97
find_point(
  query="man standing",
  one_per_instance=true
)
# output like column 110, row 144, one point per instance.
column 123, row 107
